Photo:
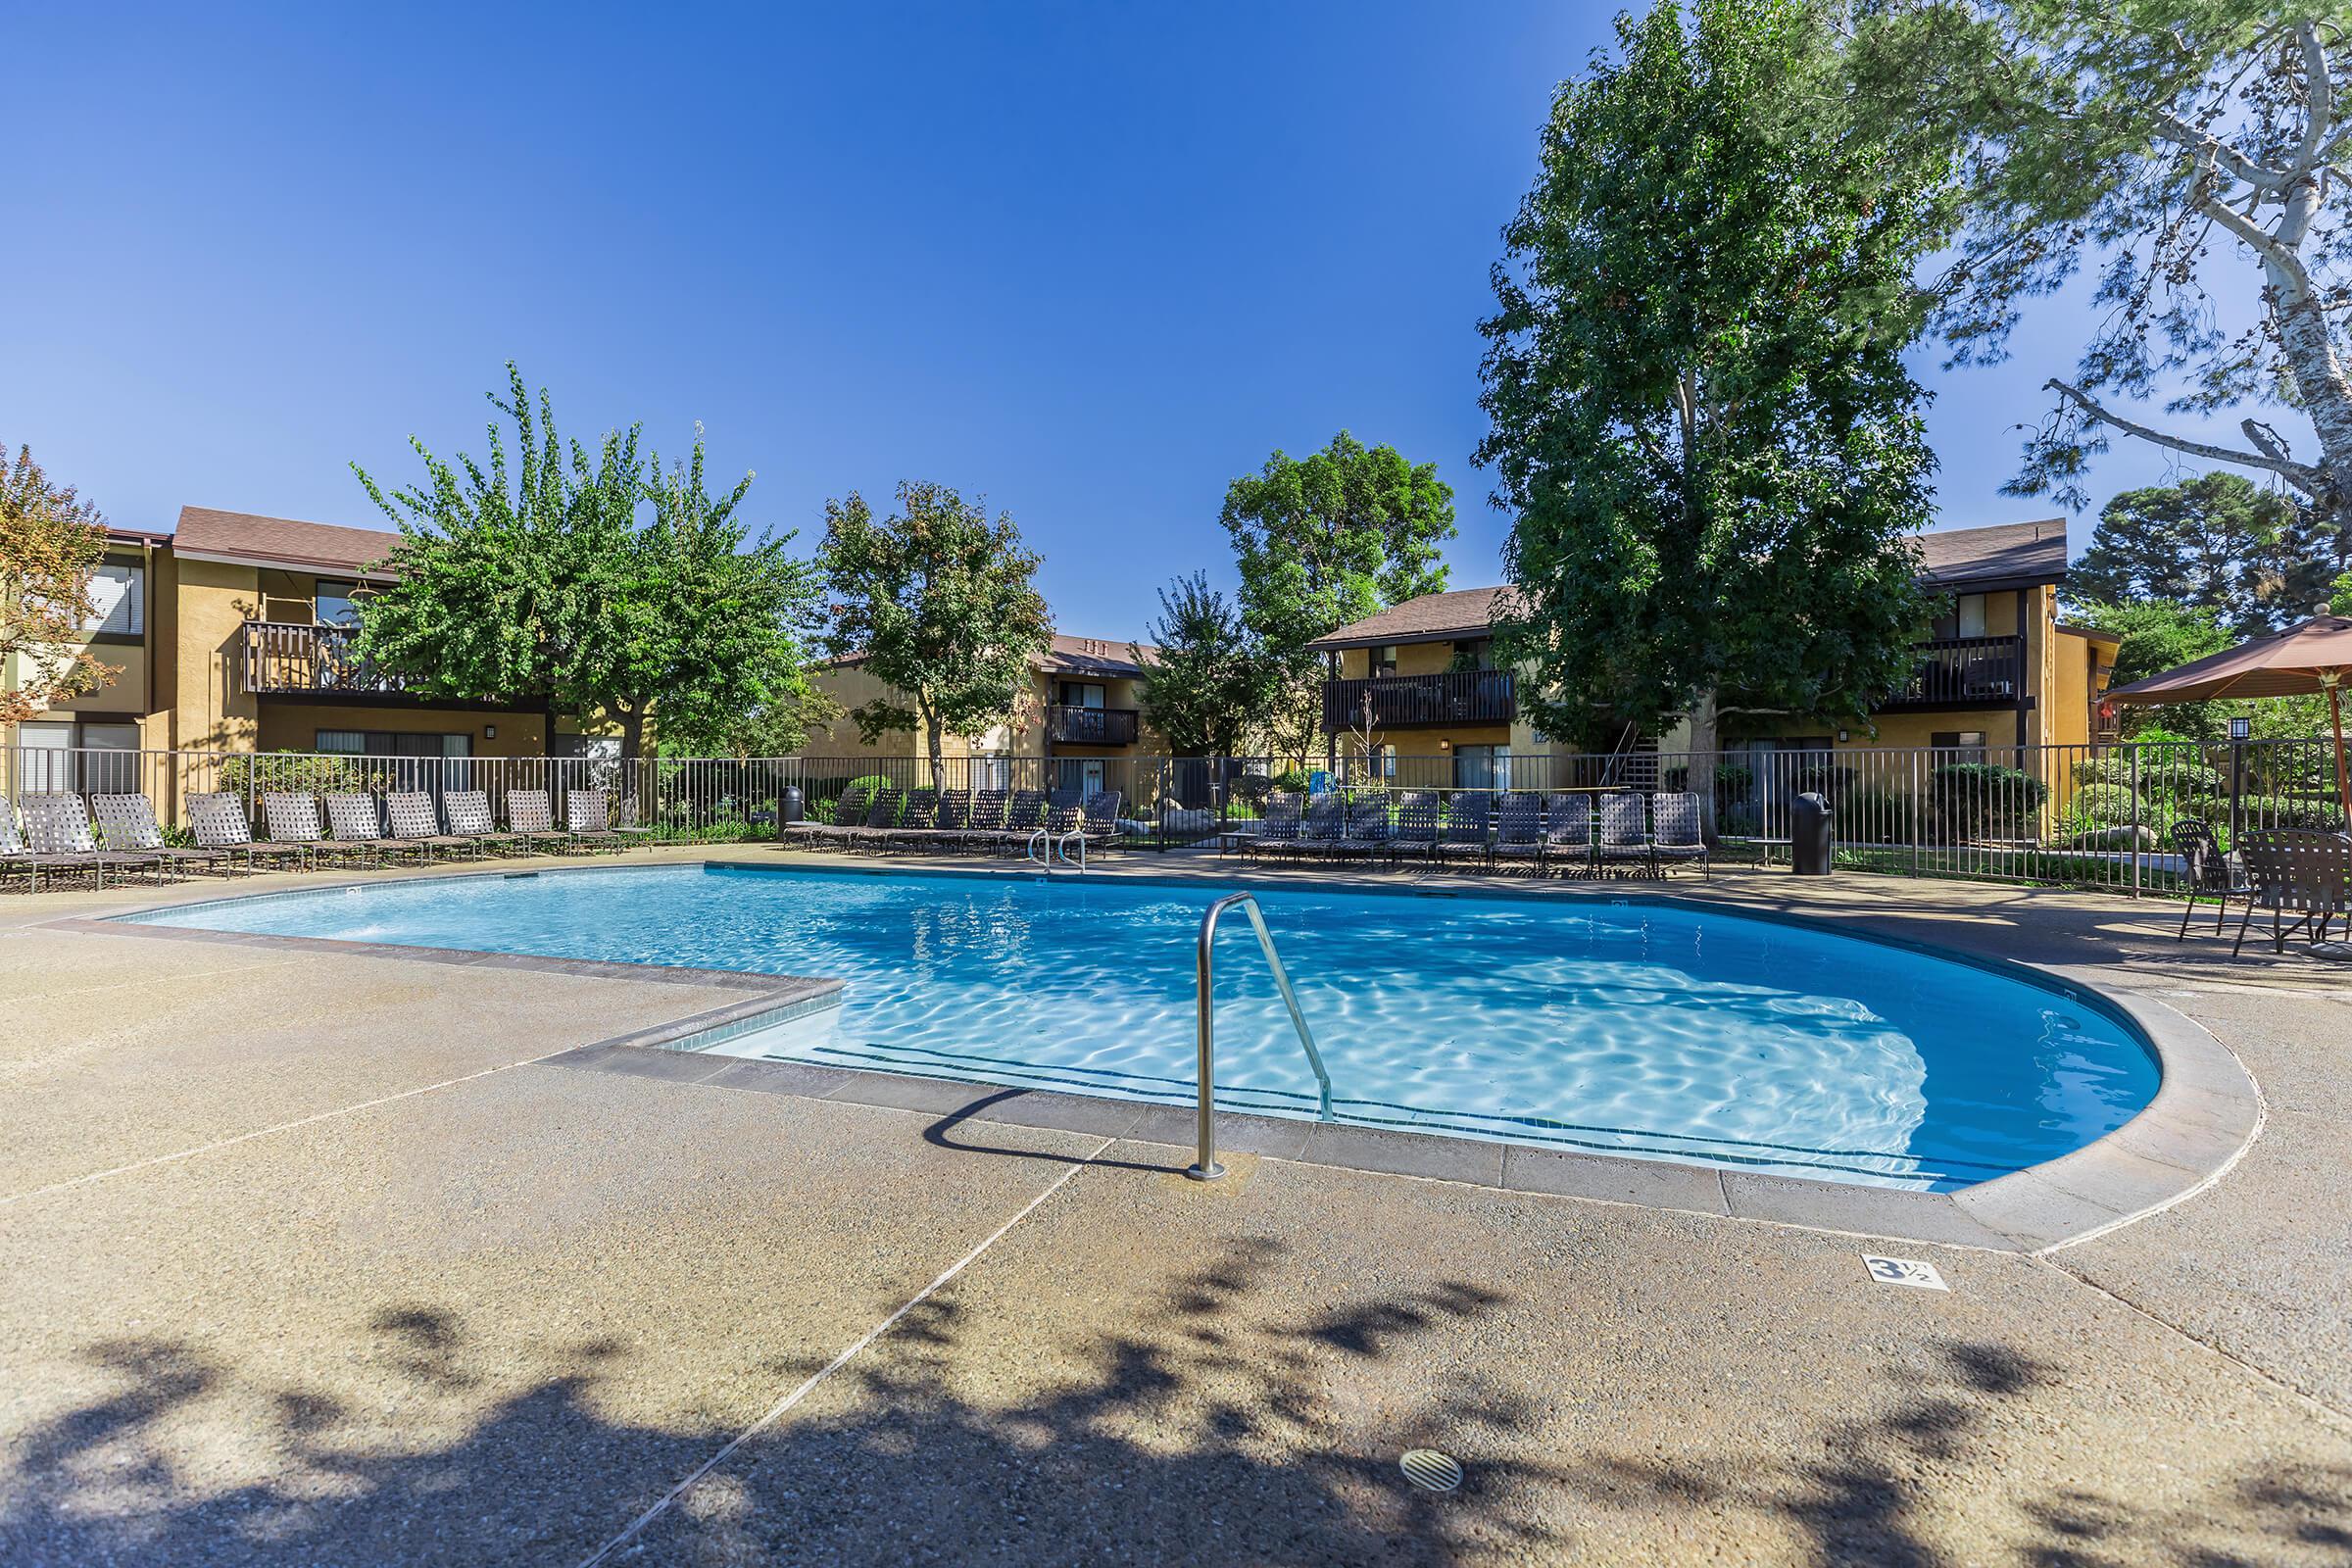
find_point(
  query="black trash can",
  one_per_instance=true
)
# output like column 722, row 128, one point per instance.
column 788, row 811
column 1809, row 835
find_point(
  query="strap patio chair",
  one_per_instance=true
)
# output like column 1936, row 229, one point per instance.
column 1678, row 834
column 1278, row 826
column 531, row 821
column 15, row 856
column 292, row 817
column 357, row 825
column 469, row 818
column 1624, row 832
column 1364, row 829
column 412, row 821
column 990, row 811
column 58, row 824
column 217, row 818
column 918, row 821
column 2308, row 872
column 1321, row 827
column 127, row 824
column 1415, row 832
column 1568, row 831
column 1518, row 829
column 588, row 813
column 1464, row 836
column 2210, row 872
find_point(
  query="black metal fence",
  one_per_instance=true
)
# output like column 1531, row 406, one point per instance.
column 2103, row 815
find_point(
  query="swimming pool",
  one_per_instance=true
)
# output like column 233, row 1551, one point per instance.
column 1609, row 1026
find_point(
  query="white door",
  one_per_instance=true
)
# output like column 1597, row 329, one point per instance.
column 110, row 758
column 45, row 757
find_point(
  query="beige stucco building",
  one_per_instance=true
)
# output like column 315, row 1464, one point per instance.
column 1083, row 714
column 2001, row 671
column 238, row 633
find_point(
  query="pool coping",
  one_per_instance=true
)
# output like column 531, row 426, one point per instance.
column 2207, row 1110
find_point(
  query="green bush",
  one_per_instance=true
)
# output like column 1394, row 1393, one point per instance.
column 2106, row 805
column 1984, row 800
column 296, row 773
column 2116, row 770
column 2283, row 811
column 1870, row 817
column 2181, row 778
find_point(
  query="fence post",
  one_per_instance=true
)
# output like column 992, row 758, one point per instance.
column 2136, row 822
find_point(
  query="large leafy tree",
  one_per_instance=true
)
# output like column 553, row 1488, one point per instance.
column 51, row 543
column 1321, row 541
column 1699, row 407
column 1205, row 682
column 2216, row 543
column 723, row 662
column 940, row 605
column 529, row 581
column 2188, row 153
column 2157, row 635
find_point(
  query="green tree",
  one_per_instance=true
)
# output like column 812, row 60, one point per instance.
column 2157, row 635
column 529, row 581
column 1205, row 682
column 1699, row 407
column 723, row 662
column 940, row 605
column 51, row 544
column 1321, row 541
column 514, row 582
column 2187, row 152
column 2216, row 542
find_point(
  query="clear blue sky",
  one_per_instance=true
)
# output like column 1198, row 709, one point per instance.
column 1090, row 260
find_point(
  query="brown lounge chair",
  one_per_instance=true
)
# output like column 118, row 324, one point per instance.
column 15, row 857
column 293, row 818
column 127, row 824
column 414, row 822
column 59, row 824
column 469, row 818
column 217, row 820
column 359, row 829
column 590, row 820
column 531, row 821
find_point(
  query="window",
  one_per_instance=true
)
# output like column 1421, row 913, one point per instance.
column 336, row 605
column 1482, row 768
column 1968, row 745
column 1384, row 660
column 386, row 743
column 1475, row 653
column 1966, row 617
column 1079, row 694
column 117, row 600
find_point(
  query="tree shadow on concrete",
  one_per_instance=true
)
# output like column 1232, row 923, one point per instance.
column 1866, row 1491
column 1208, row 1431
column 1218, row 1426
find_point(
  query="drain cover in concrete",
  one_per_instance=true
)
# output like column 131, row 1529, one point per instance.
column 1904, row 1271
column 1430, row 1470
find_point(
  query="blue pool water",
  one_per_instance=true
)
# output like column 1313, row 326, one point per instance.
column 1616, row 1027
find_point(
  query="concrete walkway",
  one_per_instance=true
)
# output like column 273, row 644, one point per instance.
column 313, row 1257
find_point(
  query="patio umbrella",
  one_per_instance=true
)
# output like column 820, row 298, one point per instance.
column 2315, row 656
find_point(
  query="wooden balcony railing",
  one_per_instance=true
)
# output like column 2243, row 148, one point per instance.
column 1412, row 702
column 1068, row 725
column 284, row 658
column 1964, row 672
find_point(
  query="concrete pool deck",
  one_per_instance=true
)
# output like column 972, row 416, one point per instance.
column 324, row 1256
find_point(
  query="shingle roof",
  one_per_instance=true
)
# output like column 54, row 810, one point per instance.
column 1092, row 655
column 1463, row 612
column 2004, row 556
column 280, row 541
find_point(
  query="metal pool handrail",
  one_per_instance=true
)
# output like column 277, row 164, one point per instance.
column 1207, row 1169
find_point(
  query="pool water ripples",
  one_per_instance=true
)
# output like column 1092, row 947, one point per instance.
column 1625, row 1027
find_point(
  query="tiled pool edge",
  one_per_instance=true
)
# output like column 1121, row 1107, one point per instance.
column 2206, row 1112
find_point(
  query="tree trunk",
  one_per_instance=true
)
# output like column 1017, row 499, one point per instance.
column 934, row 737
column 1702, row 774
column 632, row 734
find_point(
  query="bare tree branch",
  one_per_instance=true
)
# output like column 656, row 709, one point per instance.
column 2303, row 476
column 2210, row 149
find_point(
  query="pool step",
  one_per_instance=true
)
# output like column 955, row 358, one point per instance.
column 1545, row 1132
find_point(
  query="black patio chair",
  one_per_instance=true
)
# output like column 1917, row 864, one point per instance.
column 2211, row 872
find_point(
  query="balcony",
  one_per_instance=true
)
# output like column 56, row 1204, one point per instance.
column 1068, row 725
column 1961, row 672
column 1419, row 701
column 295, row 658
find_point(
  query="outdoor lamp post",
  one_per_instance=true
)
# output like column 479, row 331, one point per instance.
column 2240, row 729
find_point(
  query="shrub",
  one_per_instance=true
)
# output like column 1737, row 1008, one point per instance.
column 1984, row 800
column 2179, row 778
column 2105, row 804
column 2116, row 770
column 2285, row 811
column 298, row 774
